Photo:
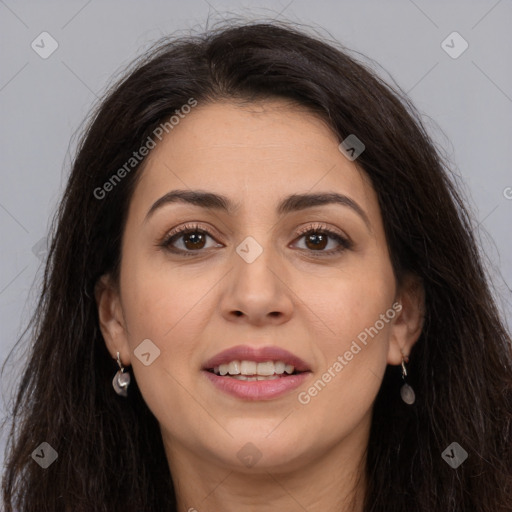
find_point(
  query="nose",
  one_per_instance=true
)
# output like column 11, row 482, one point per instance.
column 256, row 291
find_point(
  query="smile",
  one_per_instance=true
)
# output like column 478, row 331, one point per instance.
column 249, row 373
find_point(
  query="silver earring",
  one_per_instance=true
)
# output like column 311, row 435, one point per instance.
column 121, row 380
column 406, row 392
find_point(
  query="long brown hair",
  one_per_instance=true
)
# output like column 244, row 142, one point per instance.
column 110, row 451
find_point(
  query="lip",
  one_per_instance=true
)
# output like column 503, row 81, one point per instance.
column 259, row 355
column 258, row 389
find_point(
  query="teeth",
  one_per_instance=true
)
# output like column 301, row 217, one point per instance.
column 289, row 368
column 248, row 367
column 234, row 367
column 259, row 377
column 279, row 367
column 267, row 369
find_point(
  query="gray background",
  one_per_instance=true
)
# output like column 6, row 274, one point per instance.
column 467, row 103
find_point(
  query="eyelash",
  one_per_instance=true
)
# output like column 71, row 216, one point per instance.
column 309, row 230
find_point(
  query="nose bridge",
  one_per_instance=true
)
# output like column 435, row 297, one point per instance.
column 254, row 261
column 257, row 245
column 256, row 286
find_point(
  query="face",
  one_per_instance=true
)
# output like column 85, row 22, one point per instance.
column 310, row 277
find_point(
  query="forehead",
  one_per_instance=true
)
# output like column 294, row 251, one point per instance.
column 255, row 153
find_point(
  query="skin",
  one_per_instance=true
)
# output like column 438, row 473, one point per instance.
column 191, row 308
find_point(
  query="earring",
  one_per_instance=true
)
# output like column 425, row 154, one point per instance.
column 406, row 392
column 121, row 380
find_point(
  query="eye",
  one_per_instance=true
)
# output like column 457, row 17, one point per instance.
column 192, row 238
column 317, row 239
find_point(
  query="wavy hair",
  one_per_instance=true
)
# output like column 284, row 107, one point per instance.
column 110, row 450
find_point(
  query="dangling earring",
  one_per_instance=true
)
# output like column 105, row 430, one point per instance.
column 406, row 392
column 121, row 380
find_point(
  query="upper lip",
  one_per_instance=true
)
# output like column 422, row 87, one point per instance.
column 259, row 355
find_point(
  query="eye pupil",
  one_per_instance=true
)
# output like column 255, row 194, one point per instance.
column 319, row 240
column 196, row 237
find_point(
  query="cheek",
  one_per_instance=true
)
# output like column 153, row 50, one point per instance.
column 353, row 361
column 355, row 301
column 168, row 309
column 357, row 309
column 160, row 297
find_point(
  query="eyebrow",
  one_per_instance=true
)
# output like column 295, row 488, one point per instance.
column 292, row 203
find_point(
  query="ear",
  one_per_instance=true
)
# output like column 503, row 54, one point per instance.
column 111, row 319
column 408, row 324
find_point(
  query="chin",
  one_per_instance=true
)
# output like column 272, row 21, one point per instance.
column 252, row 451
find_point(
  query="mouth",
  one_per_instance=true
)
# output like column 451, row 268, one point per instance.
column 251, row 370
column 256, row 374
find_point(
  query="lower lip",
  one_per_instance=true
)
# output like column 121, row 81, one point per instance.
column 257, row 389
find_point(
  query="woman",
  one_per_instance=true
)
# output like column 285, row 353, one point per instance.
column 262, row 293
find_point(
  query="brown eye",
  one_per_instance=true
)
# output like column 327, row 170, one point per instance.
column 316, row 241
column 317, row 238
column 192, row 239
